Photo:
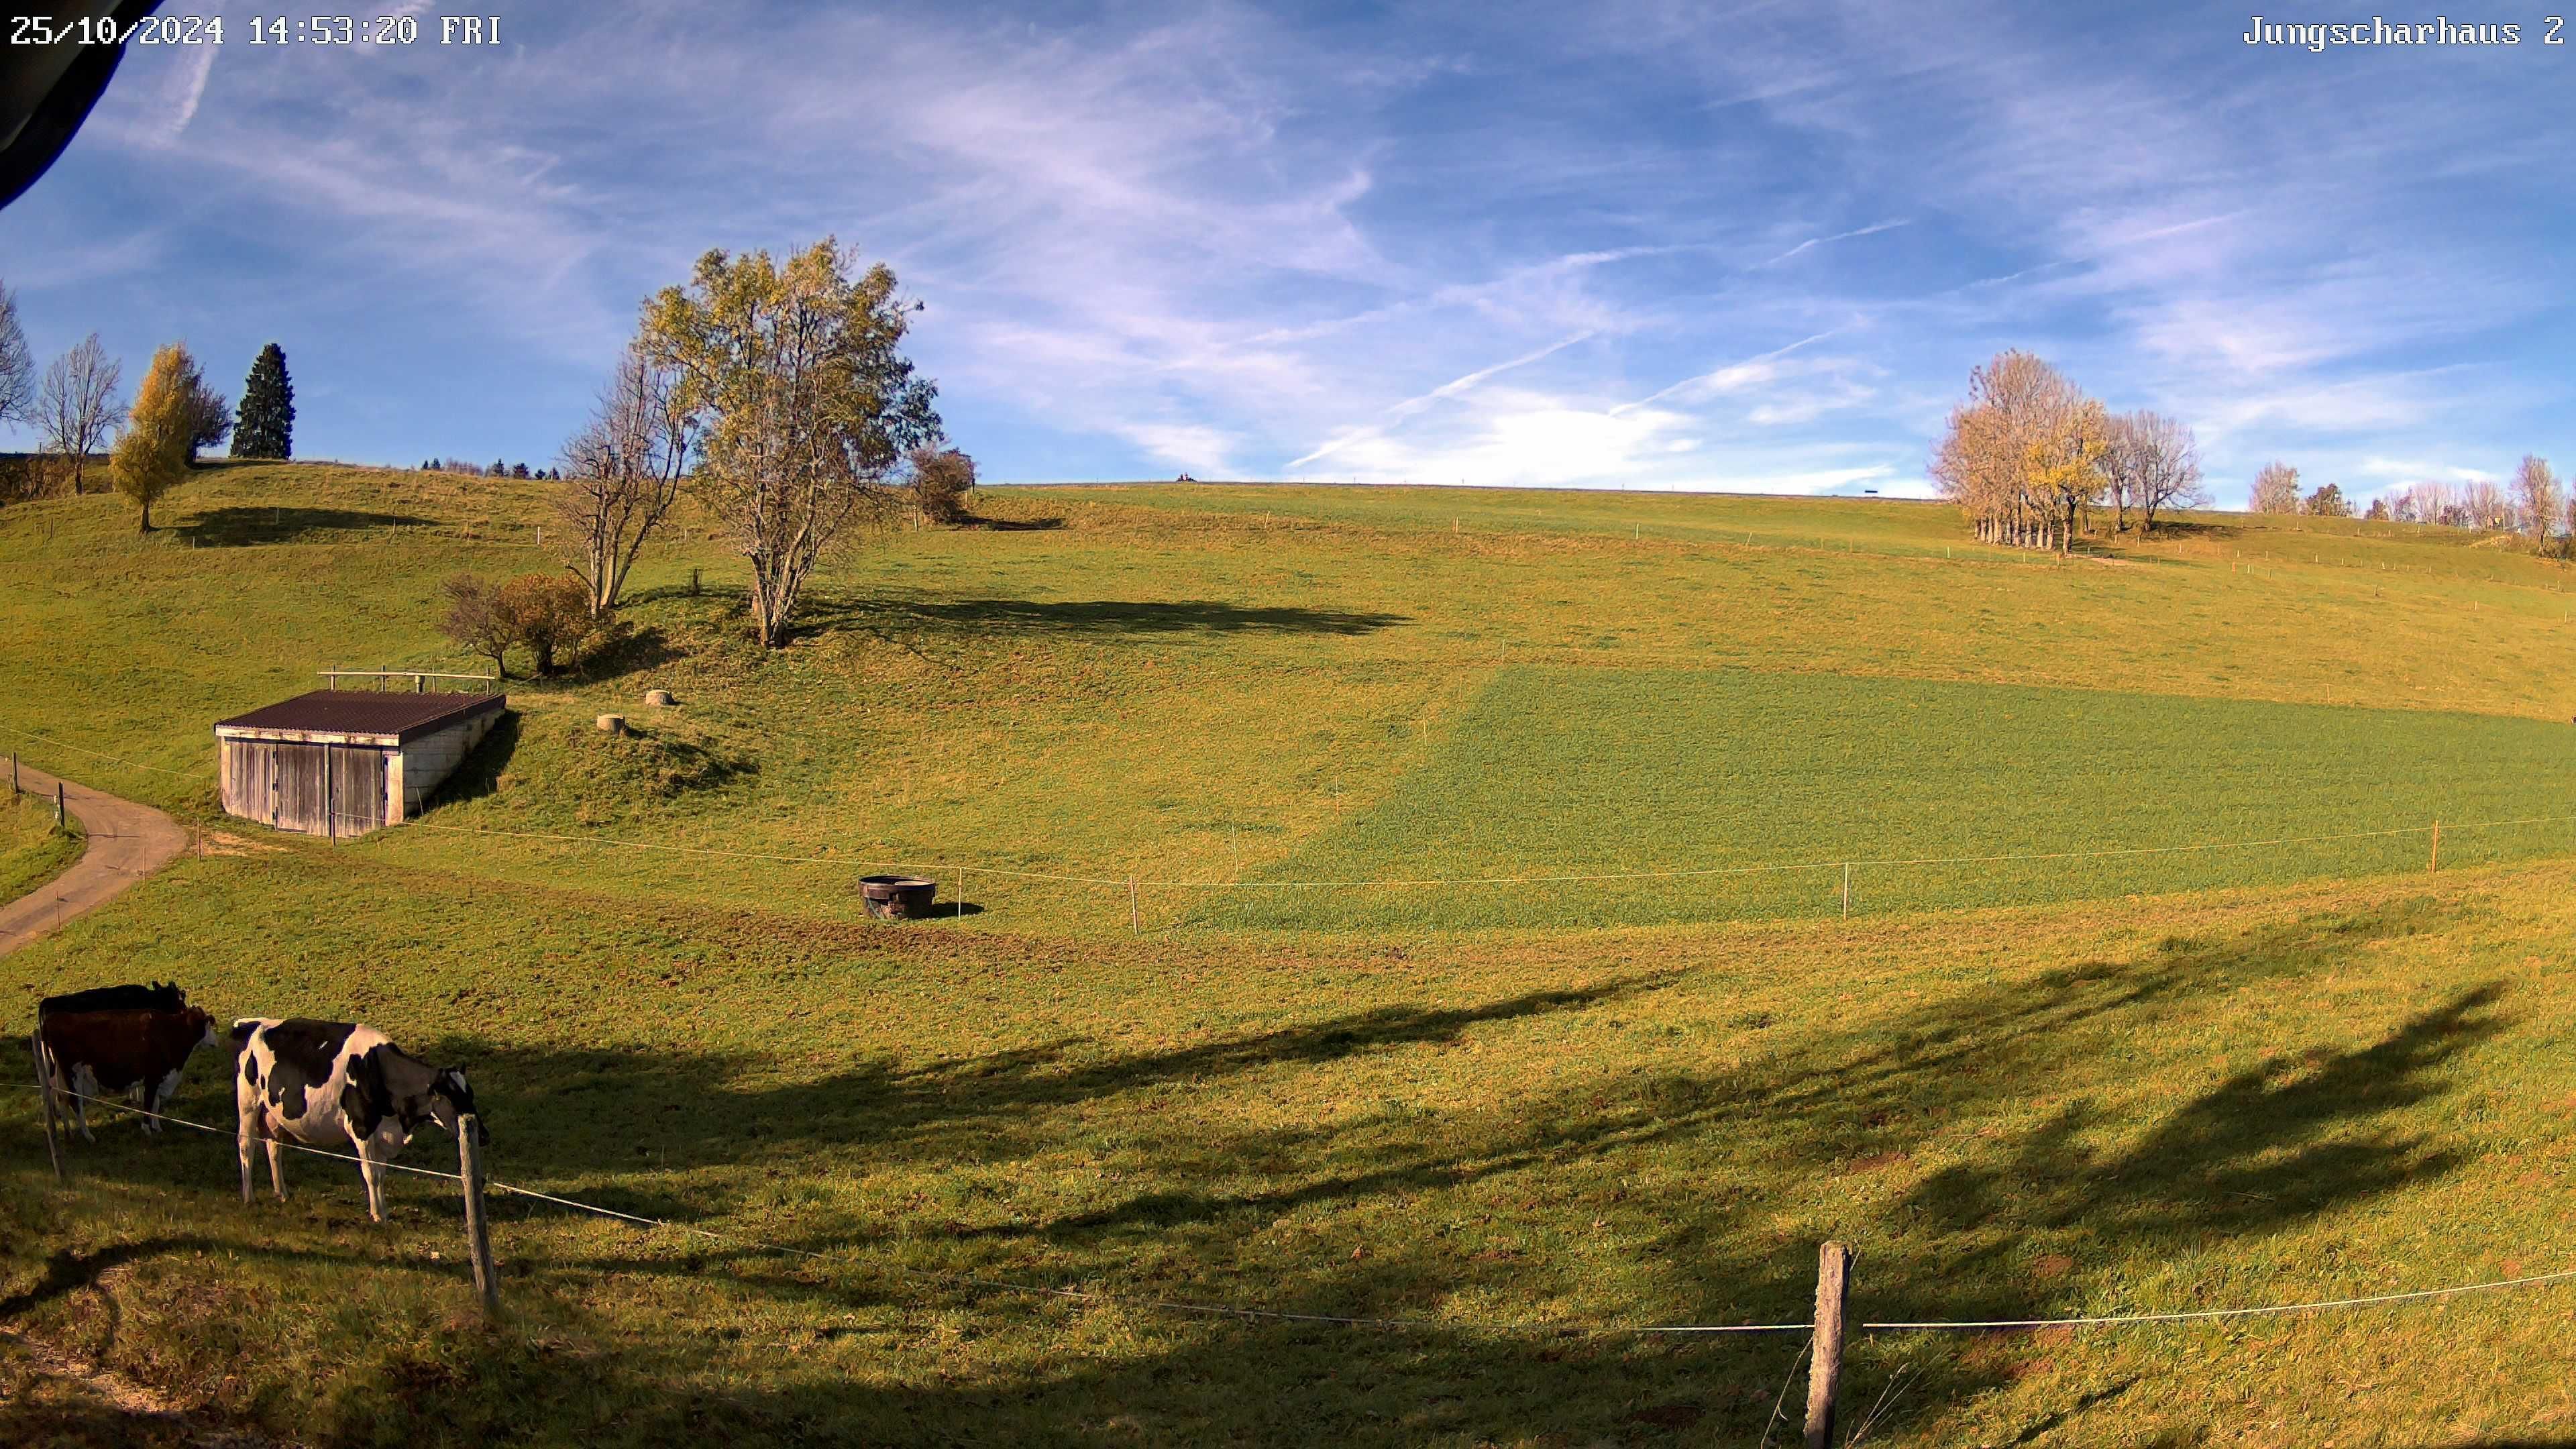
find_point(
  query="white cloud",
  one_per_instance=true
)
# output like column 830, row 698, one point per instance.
column 1813, row 242
column 1228, row 240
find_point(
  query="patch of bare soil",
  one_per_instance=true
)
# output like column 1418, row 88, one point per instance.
column 218, row 842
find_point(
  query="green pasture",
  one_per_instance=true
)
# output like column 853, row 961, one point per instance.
column 2210, row 1100
column 1681, row 796
column 1508, row 1115
column 1123, row 683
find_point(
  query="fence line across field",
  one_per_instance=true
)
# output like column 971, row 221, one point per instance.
column 969, row 1280
column 2433, row 829
column 102, row 754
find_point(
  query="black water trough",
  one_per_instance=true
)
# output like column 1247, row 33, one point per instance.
column 898, row 897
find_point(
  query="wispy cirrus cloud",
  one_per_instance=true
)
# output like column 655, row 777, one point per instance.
column 1649, row 246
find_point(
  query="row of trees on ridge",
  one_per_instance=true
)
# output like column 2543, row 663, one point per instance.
column 78, row 409
column 2028, row 456
column 2534, row 502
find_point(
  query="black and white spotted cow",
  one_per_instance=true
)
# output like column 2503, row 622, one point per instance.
column 325, row 1083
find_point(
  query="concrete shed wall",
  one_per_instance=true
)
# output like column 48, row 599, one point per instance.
column 426, row 762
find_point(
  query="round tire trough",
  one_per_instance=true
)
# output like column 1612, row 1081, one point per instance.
column 898, row 897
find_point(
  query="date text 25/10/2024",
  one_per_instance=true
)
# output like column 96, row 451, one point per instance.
column 263, row 30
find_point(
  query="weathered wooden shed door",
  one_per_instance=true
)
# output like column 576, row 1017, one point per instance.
column 357, row 789
column 303, row 775
column 250, row 780
column 330, row 790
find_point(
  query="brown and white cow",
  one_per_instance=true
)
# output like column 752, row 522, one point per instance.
column 325, row 1083
column 101, row 1053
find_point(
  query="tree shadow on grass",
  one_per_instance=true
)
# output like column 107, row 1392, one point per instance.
column 2183, row 529
column 687, row 1111
column 244, row 526
column 1012, row 525
column 1094, row 617
column 1688, row 1162
column 636, row 650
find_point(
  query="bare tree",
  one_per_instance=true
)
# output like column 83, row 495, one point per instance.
column 17, row 365
column 475, row 622
column 622, row 473
column 2276, row 488
column 2488, row 505
column 2430, row 501
column 78, row 408
column 2154, row 465
column 2537, row 496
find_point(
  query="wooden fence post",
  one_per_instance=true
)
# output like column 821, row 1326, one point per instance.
column 58, row 804
column 1825, row 1370
column 478, row 1228
column 2436, row 863
column 45, row 1089
column 1847, row 890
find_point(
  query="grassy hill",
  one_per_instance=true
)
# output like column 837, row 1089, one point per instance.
column 2021, row 1087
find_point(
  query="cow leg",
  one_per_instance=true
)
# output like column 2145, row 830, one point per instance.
column 83, row 1085
column 242, row 1139
column 277, row 1168
column 156, row 1090
column 372, row 1173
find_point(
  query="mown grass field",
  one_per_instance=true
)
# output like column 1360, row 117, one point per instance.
column 2019, row 1089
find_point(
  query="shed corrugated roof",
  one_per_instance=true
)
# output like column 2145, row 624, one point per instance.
column 366, row 712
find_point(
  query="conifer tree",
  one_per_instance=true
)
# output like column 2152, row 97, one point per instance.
column 265, row 425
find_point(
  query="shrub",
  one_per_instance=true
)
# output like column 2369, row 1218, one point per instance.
column 941, row 479
column 550, row 615
column 546, row 614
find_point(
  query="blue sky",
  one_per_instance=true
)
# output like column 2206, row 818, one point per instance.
column 1656, row 245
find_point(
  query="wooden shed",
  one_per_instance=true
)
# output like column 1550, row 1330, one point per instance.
column 342, row 762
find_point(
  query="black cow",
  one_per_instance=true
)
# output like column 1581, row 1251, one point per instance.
column 161, row 996
column 94, row 1053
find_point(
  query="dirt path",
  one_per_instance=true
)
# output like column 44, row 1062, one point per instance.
column 126, row 843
